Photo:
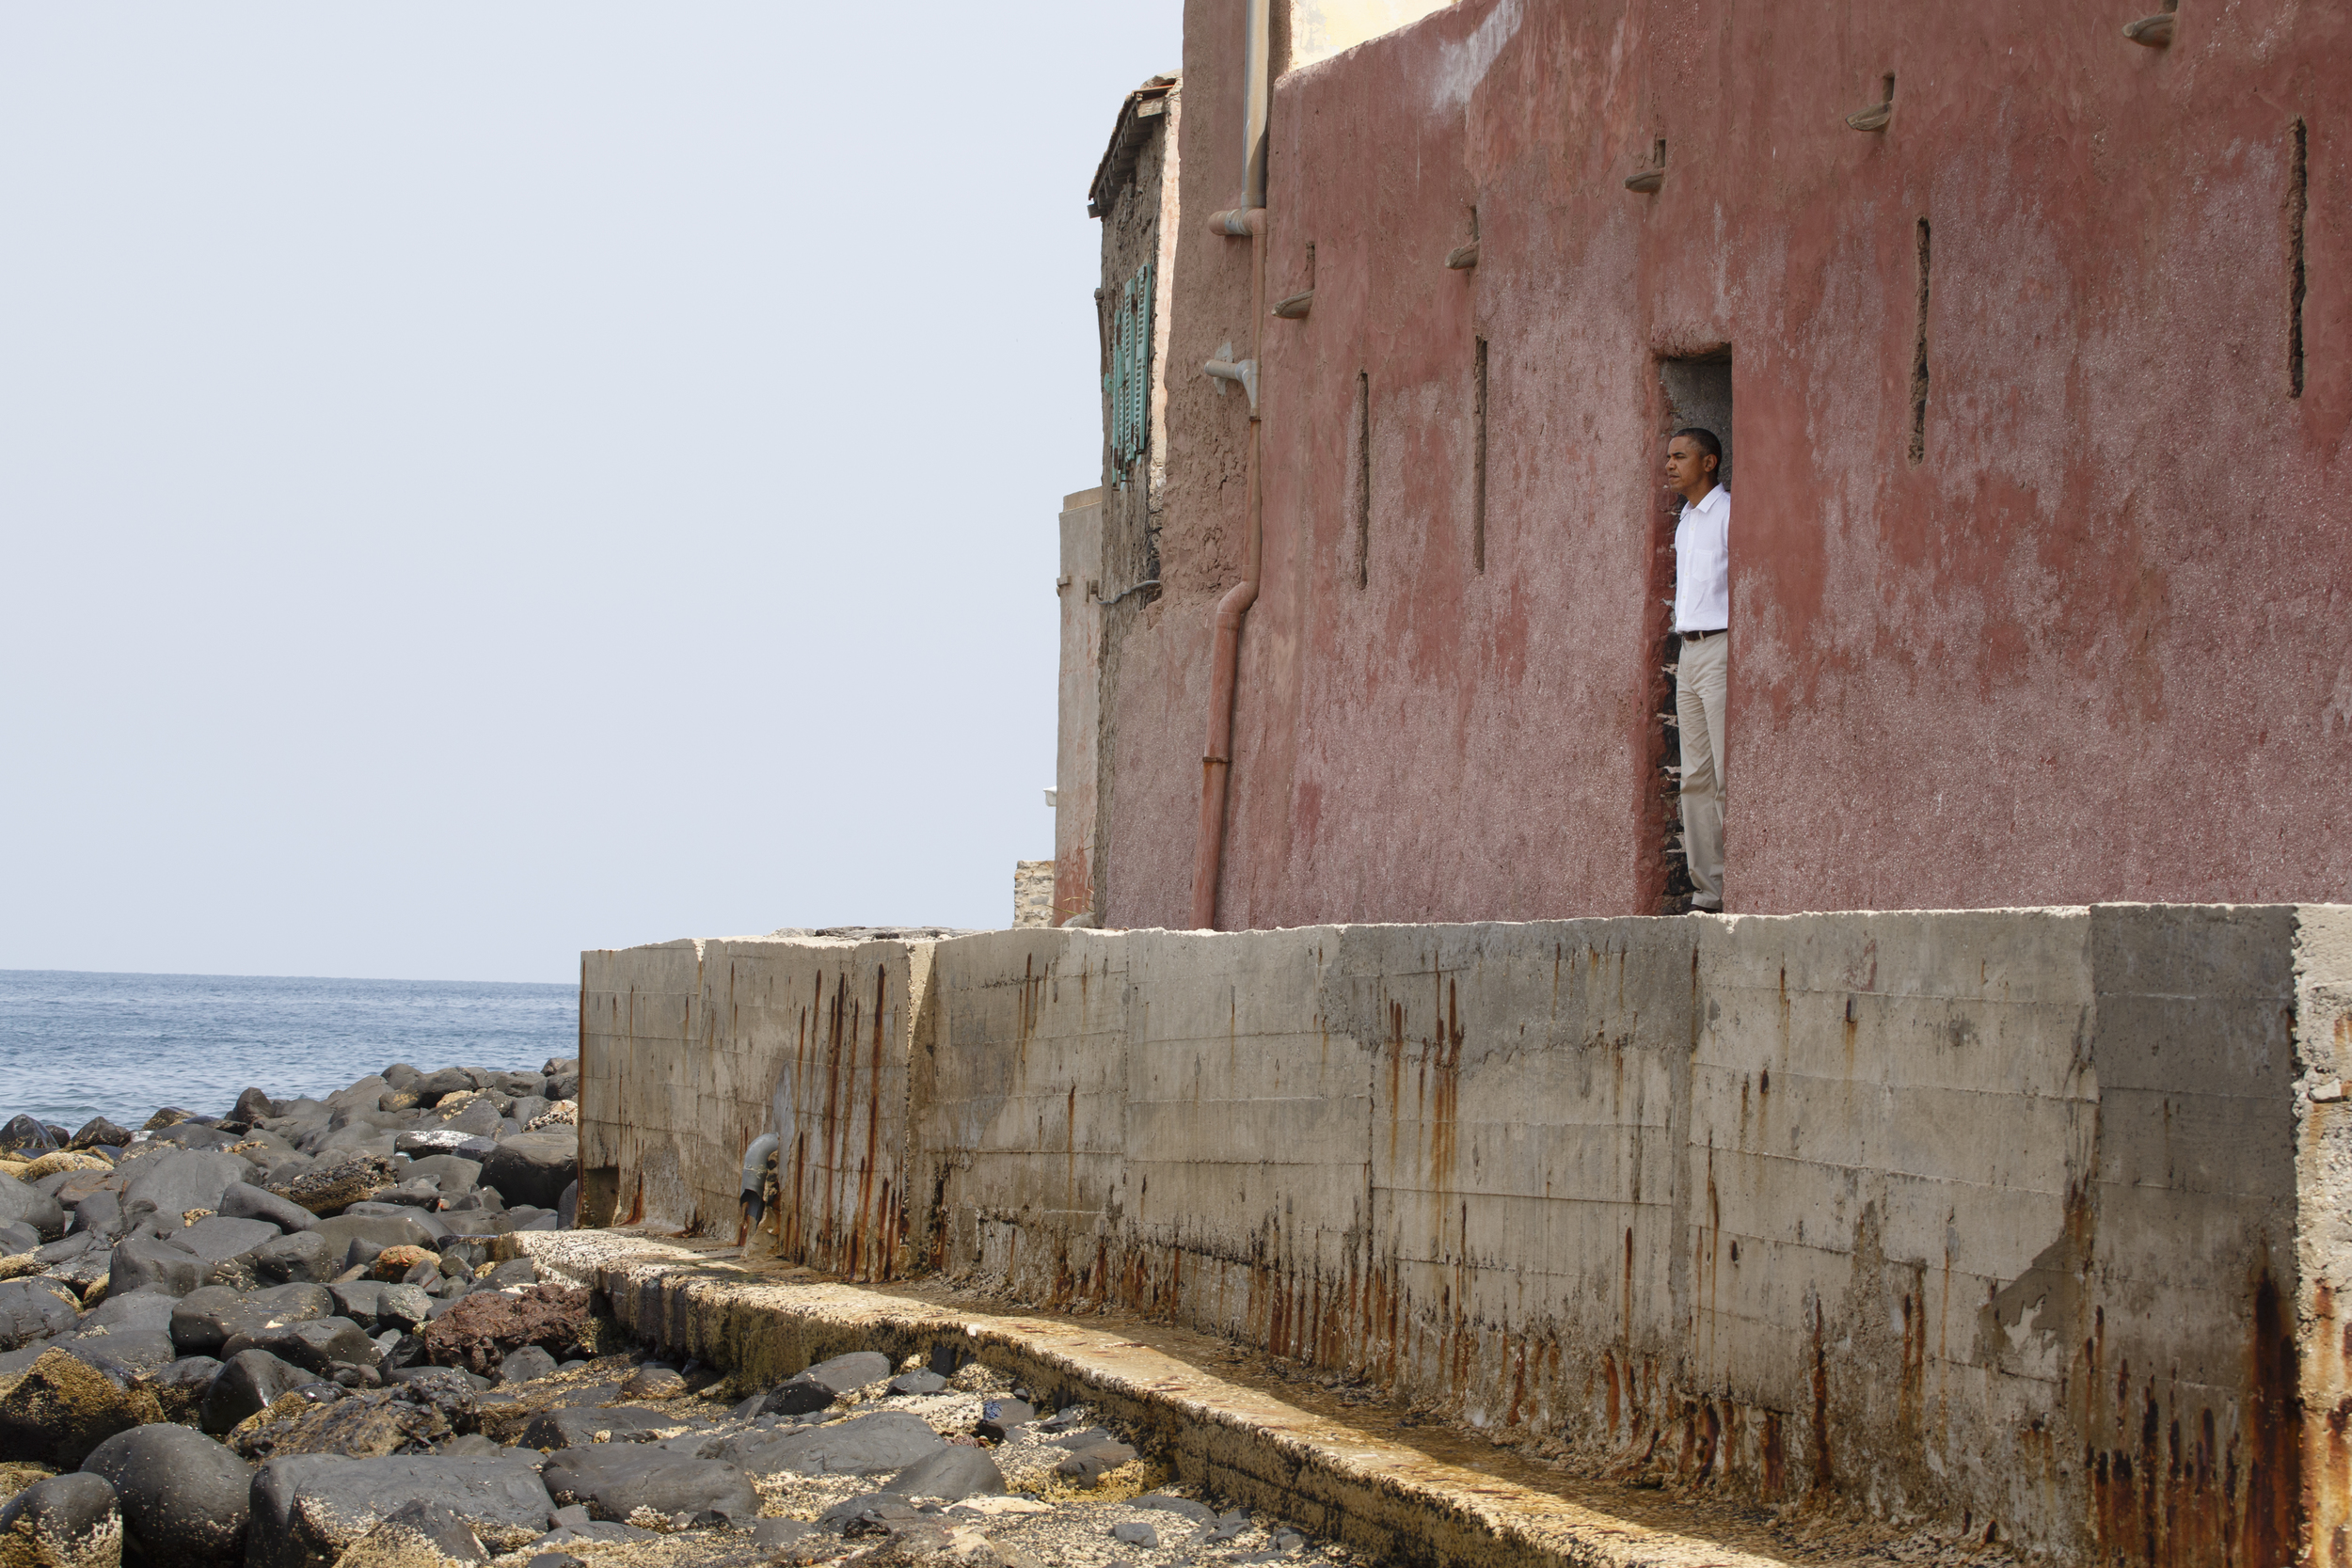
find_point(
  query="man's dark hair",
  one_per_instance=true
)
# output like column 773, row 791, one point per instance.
column 1707, row 442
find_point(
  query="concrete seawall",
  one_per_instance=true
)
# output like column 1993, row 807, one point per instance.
column 2024, row 1221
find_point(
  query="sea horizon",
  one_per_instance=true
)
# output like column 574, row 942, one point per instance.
column 124, row 1043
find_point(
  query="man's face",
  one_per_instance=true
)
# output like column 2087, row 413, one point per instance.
column 1690, row 471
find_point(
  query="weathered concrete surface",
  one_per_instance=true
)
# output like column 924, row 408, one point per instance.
column 692, row 1049
column 2022, row 1220
column 2087, row 647
column 1244, row 1446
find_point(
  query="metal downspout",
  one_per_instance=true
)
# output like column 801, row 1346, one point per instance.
column 1216, row 759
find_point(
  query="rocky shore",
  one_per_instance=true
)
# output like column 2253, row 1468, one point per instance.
column 283, row 1337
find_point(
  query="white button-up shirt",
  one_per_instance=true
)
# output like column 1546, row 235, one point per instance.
column 1702, row 563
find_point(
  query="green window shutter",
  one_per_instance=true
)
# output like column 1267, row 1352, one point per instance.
column 1131, row 372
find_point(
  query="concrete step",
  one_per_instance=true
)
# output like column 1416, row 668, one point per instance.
column 1438, row 1495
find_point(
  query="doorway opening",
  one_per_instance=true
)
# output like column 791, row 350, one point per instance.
column 1694, row 389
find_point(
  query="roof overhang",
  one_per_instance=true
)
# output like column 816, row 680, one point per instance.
column 1138, row 118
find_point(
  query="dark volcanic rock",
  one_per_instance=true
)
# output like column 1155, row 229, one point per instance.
column 309, row 1509
column 845, row 1373
column 514, row 1271
column 252, row 1106
column 871, row 1514
column 23, row 1135
column 125, row 1353
column 366, row 1092
column 99, row 1213
column 773, row 1535
column 33, row 1310
column 145, row 1262
column 403, row 1228
column 949, row 1474
column 246, row 1202
column 22, row 1204
column 216, row 1238
column 139, row 1309
column 184, row 1496
column 408, row 1195
column 922, row 1381
column 999, row 1416
column 453, row 1174
column 826, row 1380
column 478, row 1330
column 653, row 1381
column 16, row 1237
column 411, row 1419
column 437, row 1141
column 338, row 1180
column 1086, row 1466
column 206, row 1319
column 888, row 1440
column 173, row 1184
column 195, row 1133
column 82, row 1273
column 316, row 1345
column 374, row 1304
column 533, row 1168
column 100, row 1133
column 575, row 1428
column 478, row 1117
column 68, row 1519
column 303, row 1256
column 617, row 1480
column 1183, row 1507
column 63, row 1407
column 433, row 1087
column 180, row 1386
column 247, row 1384
column 524, row 1365
column 419, row 1532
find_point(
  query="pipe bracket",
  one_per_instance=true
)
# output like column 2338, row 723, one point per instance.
column 1226, row 368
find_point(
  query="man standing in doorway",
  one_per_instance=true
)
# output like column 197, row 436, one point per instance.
column 1702, row 623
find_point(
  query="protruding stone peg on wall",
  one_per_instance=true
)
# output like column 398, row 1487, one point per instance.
column 1647, row 181
column 1874, row 118
column 1462, row 257
column 1296, row 307
column 2154, row 31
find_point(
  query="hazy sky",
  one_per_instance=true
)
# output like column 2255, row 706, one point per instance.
column 480, row 481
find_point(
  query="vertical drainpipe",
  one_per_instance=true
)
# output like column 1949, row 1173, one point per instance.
column 1216, row 759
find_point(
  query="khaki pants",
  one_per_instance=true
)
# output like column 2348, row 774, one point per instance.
column 1699, row 680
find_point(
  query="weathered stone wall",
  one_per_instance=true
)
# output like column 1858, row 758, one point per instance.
column 2027, row 1220
column 2003, row 372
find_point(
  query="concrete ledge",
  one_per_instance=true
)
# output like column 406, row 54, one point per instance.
column 1237, row 1443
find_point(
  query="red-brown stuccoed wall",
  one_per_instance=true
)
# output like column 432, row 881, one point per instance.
column 2093, row 648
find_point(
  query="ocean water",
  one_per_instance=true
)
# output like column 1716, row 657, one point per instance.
column 75, row 1045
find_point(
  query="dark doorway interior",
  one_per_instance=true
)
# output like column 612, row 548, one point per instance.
column 1698, row 391
column 1694, row 392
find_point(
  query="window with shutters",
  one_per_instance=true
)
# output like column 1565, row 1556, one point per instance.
column 1129, row 381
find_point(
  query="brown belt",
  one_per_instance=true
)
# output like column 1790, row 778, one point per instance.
column 1702, row 636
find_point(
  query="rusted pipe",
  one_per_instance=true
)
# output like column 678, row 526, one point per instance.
column 753, row 1202
column 1217, row 760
